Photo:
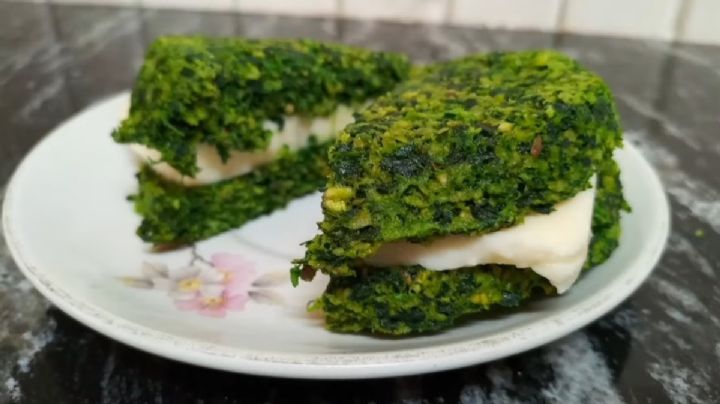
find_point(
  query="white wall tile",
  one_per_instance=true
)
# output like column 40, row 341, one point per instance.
column 429, row 11
column 513, row 14
column 325, row 8
column 205, row 5
column 98, row 2
column 702, row 22
column 639, row 18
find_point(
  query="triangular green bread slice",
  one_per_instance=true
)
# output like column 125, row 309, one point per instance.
column 463, row 147
column 222, row 92
column 219, row 91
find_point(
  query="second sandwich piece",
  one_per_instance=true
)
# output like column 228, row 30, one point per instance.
column 231, row 129
column 477, row 183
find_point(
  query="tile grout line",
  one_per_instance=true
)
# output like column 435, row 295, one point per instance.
column 339, row 9
column 558, row 31
column 680, row 22
column 449, row 12
column 338, row 21
column 236, row 14
column 560, row 16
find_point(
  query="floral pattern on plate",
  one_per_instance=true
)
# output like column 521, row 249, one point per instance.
column 211, row 287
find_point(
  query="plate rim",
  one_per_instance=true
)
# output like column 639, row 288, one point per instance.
column 319, row 366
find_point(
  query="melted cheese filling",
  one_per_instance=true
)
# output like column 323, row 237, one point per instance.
column 554, row 245
column 295, row 134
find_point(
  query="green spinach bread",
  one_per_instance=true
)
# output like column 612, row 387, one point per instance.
column 467, row 148
column 231, row 108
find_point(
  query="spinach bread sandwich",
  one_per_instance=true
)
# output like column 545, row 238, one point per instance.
column 231, row 129
column 476, row 184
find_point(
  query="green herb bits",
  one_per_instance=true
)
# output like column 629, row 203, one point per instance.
column 468, row 146
column 220, row 91
column 465, row 147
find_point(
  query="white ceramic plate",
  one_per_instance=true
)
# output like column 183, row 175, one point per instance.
column 71, row 230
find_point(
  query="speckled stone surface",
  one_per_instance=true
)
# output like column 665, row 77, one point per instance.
column 662, row 345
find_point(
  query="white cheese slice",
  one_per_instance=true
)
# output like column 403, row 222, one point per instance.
column 554, row 245
column 295, row 134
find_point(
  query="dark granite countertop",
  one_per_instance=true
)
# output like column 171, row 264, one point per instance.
column 661, row 345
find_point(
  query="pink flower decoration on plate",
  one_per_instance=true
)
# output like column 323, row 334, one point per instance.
column 226, row 282
column 239, row 273
column 213, row 301
column 231, row 294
